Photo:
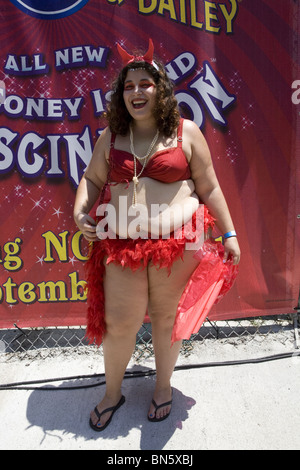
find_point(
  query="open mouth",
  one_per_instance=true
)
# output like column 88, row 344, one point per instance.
column 138, row 104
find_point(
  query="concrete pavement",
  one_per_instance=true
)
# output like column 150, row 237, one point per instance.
column 252, row 406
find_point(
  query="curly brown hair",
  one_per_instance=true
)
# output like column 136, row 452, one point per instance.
column 166, row 108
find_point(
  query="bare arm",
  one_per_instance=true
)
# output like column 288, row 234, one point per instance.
column 207, row 186
column 90, row 186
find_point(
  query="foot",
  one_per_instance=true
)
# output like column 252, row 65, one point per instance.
column 161, row 405
column 101, row 416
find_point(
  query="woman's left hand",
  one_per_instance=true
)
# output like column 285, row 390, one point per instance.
column 232, row 250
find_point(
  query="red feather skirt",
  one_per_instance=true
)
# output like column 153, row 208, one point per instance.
column 209, row 282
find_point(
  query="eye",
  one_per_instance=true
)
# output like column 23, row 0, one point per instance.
column 128, row 86
column 147, row 85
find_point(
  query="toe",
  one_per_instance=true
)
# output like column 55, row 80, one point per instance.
column 99, row 422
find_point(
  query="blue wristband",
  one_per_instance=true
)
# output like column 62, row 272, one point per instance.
column 229, row 234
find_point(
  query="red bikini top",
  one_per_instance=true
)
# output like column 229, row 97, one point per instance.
column 167, row 165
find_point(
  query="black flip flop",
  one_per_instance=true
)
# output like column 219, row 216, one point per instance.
column 155, row 419
column 112, row 408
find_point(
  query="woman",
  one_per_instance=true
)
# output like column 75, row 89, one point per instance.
column 147, row 156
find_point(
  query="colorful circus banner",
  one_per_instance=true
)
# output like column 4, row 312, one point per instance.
column 235, row 65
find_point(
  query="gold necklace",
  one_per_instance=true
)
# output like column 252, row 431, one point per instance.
column 143, row 159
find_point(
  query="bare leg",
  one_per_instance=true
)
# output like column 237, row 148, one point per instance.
column 126, row 298
column 164, row 294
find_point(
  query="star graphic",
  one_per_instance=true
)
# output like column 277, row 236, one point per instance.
column 37, row 203
column 73, row 260
column 57, row 212
column 40, row 259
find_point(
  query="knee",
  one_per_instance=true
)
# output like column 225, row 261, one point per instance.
column 162, row 317
column 118, row 327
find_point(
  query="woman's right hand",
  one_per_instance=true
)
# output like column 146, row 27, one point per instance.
column 86, row 225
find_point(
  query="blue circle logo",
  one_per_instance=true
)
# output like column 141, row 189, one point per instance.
column 49, row 9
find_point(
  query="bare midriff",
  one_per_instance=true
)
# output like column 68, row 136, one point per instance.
column 161, row 208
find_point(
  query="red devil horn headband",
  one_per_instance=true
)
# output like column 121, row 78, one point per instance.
column 128, row 58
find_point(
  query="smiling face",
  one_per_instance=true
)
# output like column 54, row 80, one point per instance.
column 139, row 94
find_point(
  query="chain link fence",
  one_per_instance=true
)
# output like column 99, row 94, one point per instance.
column 19, row 344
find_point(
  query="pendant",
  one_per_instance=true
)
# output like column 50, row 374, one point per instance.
column 135, row 180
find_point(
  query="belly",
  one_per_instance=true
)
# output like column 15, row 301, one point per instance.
column 160, row 209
